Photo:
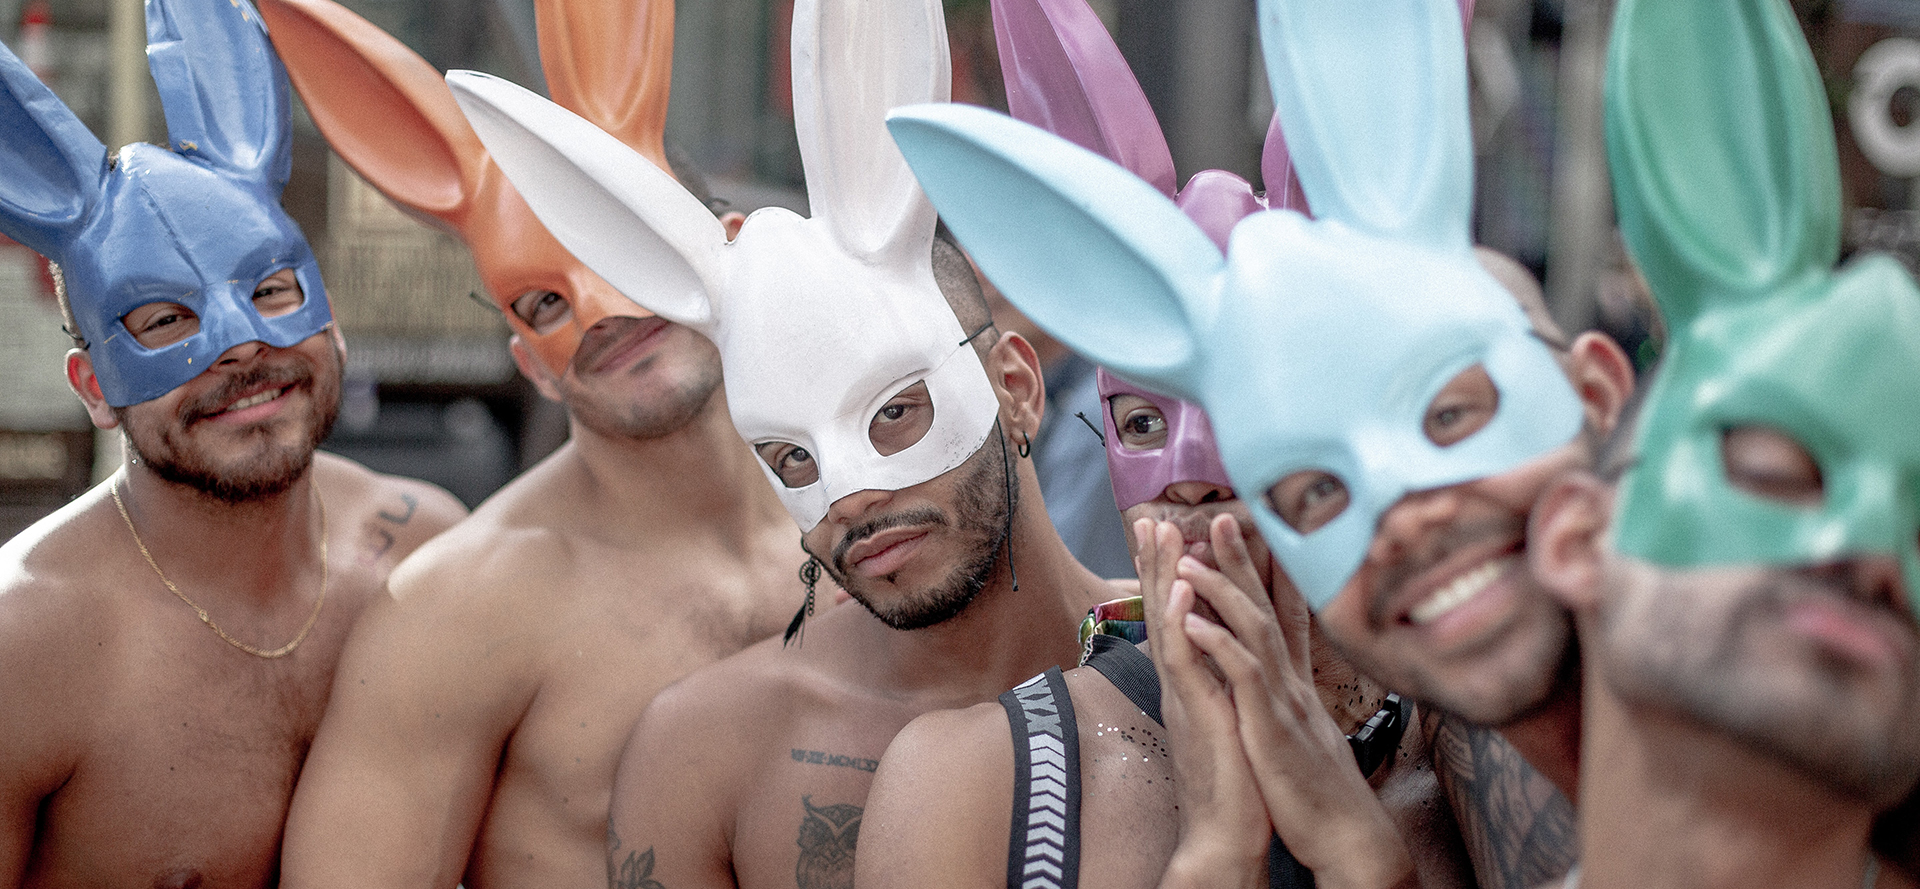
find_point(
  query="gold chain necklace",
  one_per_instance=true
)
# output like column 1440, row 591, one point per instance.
column 206, row 618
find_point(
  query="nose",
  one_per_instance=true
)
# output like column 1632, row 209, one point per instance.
column 1406, row 525
column 242, row 353
column 1194, row 493
column 851, row 507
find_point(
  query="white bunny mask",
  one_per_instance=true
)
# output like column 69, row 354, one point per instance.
column 819, row 321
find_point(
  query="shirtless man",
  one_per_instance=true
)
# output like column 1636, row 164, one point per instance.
column 483, row 704
column 861, row 364
column 168, row 639
column 1324, row 401
column 1745, row 582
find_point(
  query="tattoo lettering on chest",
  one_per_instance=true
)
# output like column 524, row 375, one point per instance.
column 827, row 837
column 823, row 758
column 633, row 871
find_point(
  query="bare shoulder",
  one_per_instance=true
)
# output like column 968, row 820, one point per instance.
column 938, row 810
column 393, row 515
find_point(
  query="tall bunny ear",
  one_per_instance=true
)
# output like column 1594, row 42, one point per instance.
column 1065, row 75
column 1085, row 248
column 1722, row 150
column 382, row 107
column 223, row 89
column 1375, row 100
column 54, row 165
column 852, row 62
column 612, row 63
column 612, row 208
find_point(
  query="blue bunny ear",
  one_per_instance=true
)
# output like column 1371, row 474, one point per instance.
column 1089, row 251
column 1722, row 150
column 54, row 165
column 223, row 88
column 1374, row 100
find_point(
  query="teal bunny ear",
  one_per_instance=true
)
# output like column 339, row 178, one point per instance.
column 1724, row 167
column 1374, row 98
column 1089, row 251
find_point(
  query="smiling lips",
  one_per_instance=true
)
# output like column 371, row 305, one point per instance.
column 254, row 400
column 1458, row 591
column 614, row 348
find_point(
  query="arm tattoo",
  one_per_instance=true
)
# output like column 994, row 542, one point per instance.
column 827, row 837
column 401, row 518
column 1518, row 828
column 634, row 871
column 822, row 758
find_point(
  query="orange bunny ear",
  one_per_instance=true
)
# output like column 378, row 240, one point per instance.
column 383, row 108
column 611, row 63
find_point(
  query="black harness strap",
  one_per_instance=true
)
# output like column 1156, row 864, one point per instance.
column 1043, row 847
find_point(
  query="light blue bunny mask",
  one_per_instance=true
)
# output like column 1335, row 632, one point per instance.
column 1313, row 344
column 199, row 225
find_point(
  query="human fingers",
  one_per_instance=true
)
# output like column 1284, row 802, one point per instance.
column 1237, row 610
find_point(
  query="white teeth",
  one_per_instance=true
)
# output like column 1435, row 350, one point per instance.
column 252, row 400
column 1455, row 594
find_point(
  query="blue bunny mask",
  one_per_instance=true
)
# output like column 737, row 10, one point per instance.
column 1314, row 343
column 196, row 223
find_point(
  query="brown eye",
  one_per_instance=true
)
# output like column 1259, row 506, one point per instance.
column 1307, row 500
column 1141, row 425
column 790, row 463
column 278, row 294
column 1462, row 408
column 902, row 421
column 541, row 309
column 1769, row 463
column 161, row 324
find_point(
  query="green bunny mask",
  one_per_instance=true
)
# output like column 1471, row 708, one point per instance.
column 1727, row 182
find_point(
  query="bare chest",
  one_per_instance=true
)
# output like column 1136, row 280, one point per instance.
column 800, row 823
column 183, row 777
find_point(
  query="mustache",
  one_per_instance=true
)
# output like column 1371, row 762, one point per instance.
column 922, row 516
column 215, row 402
column 605, row 336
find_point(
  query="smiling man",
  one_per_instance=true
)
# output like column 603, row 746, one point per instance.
column 483, row 704
column 1746, row 578
column 167, row 640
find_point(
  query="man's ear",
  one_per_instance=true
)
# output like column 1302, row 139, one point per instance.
column 533, row 370
column 84, row 384
column 1014, row 369
column 1603, row 376
column 1566, row 538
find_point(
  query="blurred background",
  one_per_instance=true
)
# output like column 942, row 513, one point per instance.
column 432, row 391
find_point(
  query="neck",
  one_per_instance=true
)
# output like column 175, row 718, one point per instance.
column 215, row 550
column 1548, row 736
column 1671, row 803
column 702, row 471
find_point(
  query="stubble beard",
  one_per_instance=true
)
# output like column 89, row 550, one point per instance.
column 270, row 470
column 611, row 407
column 983, row 505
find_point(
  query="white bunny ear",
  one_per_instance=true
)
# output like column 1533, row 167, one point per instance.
column 1374, row 100
column 853, row 61
column 628, row 220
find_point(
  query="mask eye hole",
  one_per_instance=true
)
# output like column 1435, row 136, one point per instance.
column 902, row 421
column 1463, row 407
column 791, row 463
column 542, row 310
column 1768, row 463
column 1307, row 500
column 1139, row 423
column 278, row 294
column 161, row 324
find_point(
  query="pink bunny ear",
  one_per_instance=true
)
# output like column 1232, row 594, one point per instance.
column 611, row 63
column 1276, row 172
column 1064, row 74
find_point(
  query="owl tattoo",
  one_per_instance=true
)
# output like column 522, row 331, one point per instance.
column 827, row 836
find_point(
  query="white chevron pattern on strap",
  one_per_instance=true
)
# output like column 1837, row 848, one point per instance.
column 1047, row 802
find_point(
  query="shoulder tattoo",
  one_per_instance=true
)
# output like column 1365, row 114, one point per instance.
column 397, row 517
column 1518, row 827
column 827, row 838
